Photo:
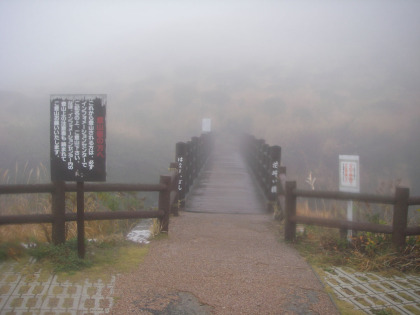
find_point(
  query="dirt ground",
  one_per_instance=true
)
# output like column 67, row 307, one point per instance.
column 221, row 264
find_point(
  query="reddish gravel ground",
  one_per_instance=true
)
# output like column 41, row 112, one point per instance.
column 222, row 264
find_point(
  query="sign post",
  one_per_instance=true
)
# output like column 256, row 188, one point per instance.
column 349, row 181
column 80, row 219
column 77, row 145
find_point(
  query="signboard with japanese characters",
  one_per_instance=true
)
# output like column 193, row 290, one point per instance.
column 349, row 173
column 78, row 137
column 274, row 176
column 275, row 156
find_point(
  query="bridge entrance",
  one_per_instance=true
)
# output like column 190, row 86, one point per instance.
column 225, row 184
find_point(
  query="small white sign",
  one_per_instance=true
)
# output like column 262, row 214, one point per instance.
column 349, row 182
column 349, row 173
column 206, row 125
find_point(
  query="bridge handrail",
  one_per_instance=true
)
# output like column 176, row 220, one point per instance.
column 265, row 163
column 190, row 158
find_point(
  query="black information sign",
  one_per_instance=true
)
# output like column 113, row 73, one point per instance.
column 77, row 137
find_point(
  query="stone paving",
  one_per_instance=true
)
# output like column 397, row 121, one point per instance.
column 370, row 292
column 42, row 293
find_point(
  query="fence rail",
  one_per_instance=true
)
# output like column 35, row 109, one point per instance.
column 265, row 163
column 170, row 194
column 398, row 229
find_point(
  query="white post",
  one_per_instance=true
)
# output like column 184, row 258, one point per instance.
column 349, row 218
column 349, row 181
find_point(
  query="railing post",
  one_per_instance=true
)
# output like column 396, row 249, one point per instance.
column 290, row 227
column 399, row 223
column 200, row 152
column 164, row 202
column 58, row 209
column 188, row 167
column 266, row 174
column 194, row 141
column 274, row 168
column 281, row 194
column 173, row 168
column 181, row 164
column 260, row 163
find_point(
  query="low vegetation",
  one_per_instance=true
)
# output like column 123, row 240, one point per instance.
column 324, row 247
column 113, row 255
column 106, row 238
column 364, row 251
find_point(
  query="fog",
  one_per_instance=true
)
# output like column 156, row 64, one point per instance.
column 318, row 78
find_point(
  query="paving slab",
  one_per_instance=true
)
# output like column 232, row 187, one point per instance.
column 41, row 293
column 370, row 292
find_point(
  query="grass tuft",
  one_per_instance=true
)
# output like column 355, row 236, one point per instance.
column 63, row 257
column 323, row 247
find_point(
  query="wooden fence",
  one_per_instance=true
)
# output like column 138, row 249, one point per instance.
column 264, row 160
column 170, row 194
column 399, row 230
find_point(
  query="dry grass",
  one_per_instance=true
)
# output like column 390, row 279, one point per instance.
column 325, row 210
column 366, row 251
column 15, row 204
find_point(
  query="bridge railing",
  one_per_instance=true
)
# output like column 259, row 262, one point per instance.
column 190, row 158
column 265, row 162
column 170, row 197
column 399, row 229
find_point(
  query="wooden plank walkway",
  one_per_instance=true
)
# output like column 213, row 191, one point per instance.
column 225, row 185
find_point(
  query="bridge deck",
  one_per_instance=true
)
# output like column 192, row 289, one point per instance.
column 225, row 185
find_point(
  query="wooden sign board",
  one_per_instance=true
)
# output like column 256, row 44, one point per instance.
column 78, row 137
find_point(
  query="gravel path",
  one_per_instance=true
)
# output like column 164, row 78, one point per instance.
column 221, row 264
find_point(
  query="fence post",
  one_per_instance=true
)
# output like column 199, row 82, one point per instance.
column 266, row 174
column 258, row 163
column 281, row 194
column 290, row 227
column 180, row 160
column 274, row 172
column 194, row 158
column 399, row 224
column 188, row 167
column 58, row 209
column 81, row 219
column 164, row 202
column 173, row 168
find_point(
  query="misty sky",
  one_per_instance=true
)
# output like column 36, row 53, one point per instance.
column 95, row 44
column 341, row 76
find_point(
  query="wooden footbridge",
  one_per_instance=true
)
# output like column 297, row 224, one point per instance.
column 217, row 174
column 225, row 184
